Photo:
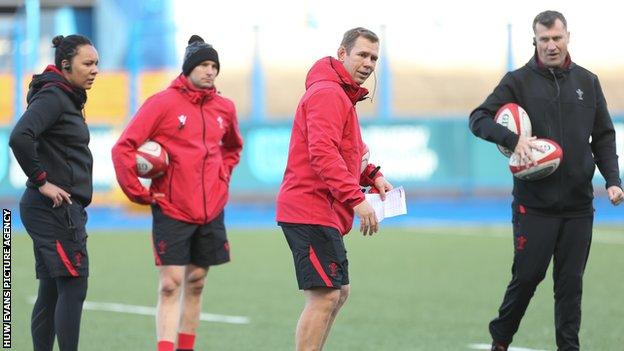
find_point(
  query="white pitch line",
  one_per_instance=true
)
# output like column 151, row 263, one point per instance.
column 488, row 347
column 151, row 311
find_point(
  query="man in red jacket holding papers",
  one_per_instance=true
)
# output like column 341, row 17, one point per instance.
column 321, row 187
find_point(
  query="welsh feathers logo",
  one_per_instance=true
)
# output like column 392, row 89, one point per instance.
column 333, row 269
column 220, row 121
column 522, row 240
column 162, row 247
column 182, row 120
column 78, row 259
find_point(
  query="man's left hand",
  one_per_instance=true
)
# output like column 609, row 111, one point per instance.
column 616, row 196
column 382, row 185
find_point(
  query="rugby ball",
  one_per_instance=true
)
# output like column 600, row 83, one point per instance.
column 548, row 157
column 365, row 158
column 152, row 160
column 514, row 118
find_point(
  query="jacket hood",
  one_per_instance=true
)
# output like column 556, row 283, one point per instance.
column 51, row 76
column 189, row 91
column 330, row 69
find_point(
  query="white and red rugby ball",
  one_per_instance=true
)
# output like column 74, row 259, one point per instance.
column 514, row 118
column 548, row 158
column 152, row 160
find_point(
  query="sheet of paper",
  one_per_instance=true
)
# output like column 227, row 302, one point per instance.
column 377, row 204
column 394, row 204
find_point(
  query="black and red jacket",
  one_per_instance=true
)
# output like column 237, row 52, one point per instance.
column 51, row 139
column 566, row 105
column 199, row 130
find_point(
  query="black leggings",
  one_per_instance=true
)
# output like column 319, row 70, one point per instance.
column 57, row 312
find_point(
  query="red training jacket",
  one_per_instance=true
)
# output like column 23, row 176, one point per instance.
column 199, row 130
column 322, row 177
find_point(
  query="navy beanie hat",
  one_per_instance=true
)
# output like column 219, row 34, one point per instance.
column 197, row 52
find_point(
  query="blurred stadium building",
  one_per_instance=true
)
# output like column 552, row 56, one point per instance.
column 428, row 79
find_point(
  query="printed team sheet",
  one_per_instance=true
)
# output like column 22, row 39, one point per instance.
column 394, row 205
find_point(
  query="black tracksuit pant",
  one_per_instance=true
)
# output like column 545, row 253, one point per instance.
column 538, row 238
column 62, row 267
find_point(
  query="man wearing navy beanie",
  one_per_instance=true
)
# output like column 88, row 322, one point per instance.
column 199, row 129
column 197, row 52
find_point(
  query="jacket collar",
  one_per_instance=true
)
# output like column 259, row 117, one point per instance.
column 330, row 69
column 536, row 64
column 190, row 92
column 52, row 76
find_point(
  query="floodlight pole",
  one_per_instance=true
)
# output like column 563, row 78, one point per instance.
column 134, row 69
column 65, row 21
column 384, row 105
column 18, row 68
column 510, row 61
column 258, row 92
column 33, row 16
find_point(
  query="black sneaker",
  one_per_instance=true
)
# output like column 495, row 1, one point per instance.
column 498, row 347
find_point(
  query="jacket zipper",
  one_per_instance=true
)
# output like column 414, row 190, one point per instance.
column 558, row 99
column 72, row 178
column 201, row 108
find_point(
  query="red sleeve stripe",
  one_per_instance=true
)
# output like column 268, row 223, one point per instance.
column 42, row 176
column 319, row 269
column 65, row 260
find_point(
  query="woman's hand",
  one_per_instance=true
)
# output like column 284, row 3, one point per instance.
column 54, row 193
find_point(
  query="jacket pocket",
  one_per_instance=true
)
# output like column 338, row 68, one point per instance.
column 330, row 200
column 588, row 166
column 70, row 169
column 72, row 178
column 350, row 155
column 223, row 174
column 73, row 219
column 170, row 190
